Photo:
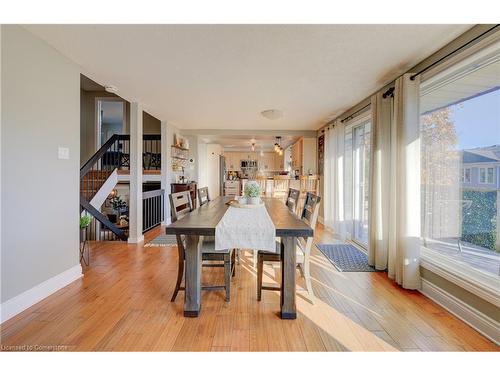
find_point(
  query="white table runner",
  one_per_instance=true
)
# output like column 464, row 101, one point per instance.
column 246, row 228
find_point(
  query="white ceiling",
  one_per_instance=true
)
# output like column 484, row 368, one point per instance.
column 223, row 76
column 244, row 142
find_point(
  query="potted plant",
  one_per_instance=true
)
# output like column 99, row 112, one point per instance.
column 252, row 192
column 118, row 205
column 85, row 221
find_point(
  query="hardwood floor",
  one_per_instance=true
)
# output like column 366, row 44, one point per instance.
column 122, row 304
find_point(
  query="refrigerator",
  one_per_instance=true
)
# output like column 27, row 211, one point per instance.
column 222, row 174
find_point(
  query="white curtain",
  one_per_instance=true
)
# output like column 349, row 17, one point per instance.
column 395, row 185
column 333, row 179
column 380, row 172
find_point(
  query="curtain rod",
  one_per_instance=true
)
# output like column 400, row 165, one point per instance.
column 389, row 92
column 351, row 116
column 453, row 52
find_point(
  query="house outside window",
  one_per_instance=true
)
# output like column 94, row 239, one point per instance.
column 486, row 175
column 466, row 175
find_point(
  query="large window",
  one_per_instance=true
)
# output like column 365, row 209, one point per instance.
column 486, row 175
column 460, row 139
column 466, row 175
column 357, row 177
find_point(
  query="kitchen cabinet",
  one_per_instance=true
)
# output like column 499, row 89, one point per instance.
column 269, row 161
column 304, row 156
column 266, row 162
column 232, row 161
column 232, row 187
column 279, row 162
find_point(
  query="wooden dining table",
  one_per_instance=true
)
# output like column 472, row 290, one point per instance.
column 202, row 222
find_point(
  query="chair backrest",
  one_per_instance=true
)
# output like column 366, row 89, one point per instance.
column 311, row 210
column 309, row 184
column 180, row 204
column 203, row 196
column 262, row 181
column 292, row 199
column 281, row 184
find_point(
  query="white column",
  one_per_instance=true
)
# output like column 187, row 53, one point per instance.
column 165, row 176
column 135, row 204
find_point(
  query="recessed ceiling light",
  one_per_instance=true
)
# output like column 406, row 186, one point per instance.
column 112, row 89
column 272, row 114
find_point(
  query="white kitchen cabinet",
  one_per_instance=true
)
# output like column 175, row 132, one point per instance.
column 304, row 156
column 232, row 187
column 232, row 161
column 279, row 162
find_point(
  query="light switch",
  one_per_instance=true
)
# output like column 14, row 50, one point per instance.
column 63, row 153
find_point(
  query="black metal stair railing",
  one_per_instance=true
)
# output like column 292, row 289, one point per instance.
column 153, row 209
column 115, row 154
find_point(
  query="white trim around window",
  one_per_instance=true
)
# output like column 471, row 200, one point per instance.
column 486, row 176
column 466, row 175
column 477, row 282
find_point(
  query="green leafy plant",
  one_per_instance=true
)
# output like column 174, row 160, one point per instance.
column 252, row 189
column 118, row 204
column 479, row 226
column 85, row 221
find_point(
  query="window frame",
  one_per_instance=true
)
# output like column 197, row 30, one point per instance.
column 488, row 175
column 360, row 120
column 480, row 283
column 463, row 180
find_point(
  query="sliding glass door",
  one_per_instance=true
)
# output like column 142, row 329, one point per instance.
column 357, row 177
column 361, row 174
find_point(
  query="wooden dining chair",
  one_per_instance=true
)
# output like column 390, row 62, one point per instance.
column 181, row 205
column 293, row 199
column 308, row 184
column 291, row 202
column 280, row 186
column 303, row 248
column 203, row 197
column 262, row 181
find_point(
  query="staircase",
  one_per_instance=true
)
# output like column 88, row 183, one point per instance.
column 111, row 156
column 99, row 176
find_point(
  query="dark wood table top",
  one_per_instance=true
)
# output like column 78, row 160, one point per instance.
column 203, row 220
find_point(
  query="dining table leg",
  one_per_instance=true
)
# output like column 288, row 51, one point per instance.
column 192, row 295
column 288, row 269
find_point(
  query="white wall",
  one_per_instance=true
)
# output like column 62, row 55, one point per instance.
column 213, row 153
column 170, row 176
column 191, row 171
column 40, row 193
column 202, row 165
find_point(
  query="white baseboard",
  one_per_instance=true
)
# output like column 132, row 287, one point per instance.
column 21, row 302
column 135, row 239
column 476, row 319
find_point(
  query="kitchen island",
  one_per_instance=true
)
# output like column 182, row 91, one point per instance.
column 237, row 187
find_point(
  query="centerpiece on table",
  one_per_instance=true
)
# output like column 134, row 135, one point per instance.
column 253, row 192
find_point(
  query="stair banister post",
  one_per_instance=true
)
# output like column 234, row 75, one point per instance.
column 135, row 200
